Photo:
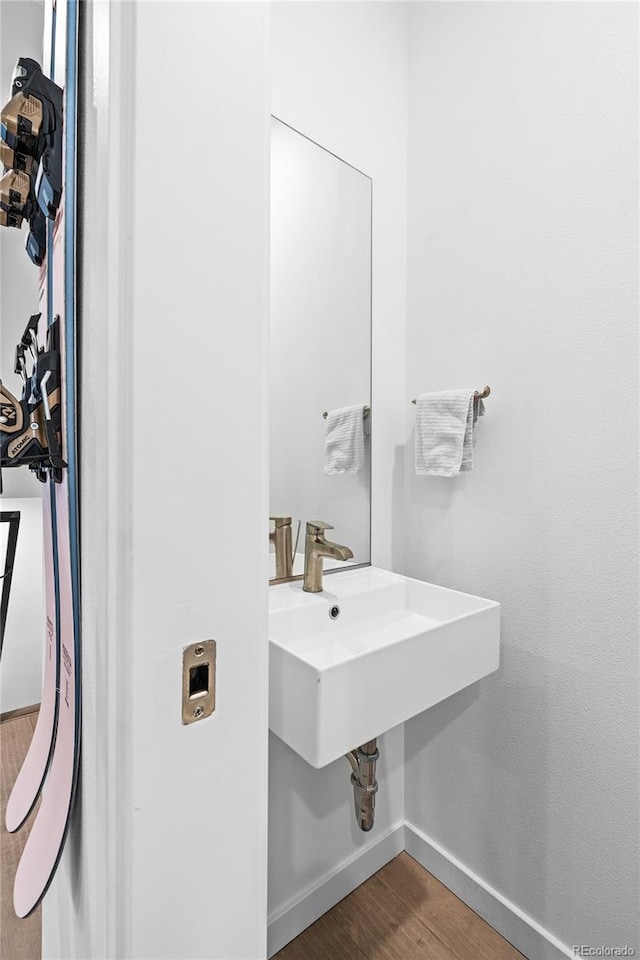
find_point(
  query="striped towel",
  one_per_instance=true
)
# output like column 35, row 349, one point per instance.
column 444, row 432
column 344, row 445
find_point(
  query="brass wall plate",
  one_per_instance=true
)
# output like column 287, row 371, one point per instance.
column 198, row 681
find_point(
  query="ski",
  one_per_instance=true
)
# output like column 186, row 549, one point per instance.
column 28, row 785
column 38, row 133
column 30, row 428
column 30, row 436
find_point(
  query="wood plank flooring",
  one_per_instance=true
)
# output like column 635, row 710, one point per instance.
column 19, row 939
column 401, row 913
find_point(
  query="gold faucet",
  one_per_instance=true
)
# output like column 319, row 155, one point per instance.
column 280, row 536
column 316, row 547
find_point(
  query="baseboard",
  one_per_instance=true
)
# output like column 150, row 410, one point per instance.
column 513, row 924
column 19, row 712
column 315, row 901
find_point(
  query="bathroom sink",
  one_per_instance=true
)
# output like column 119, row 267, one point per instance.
column 369, row 652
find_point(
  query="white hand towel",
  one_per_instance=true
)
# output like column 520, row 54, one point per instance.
column 444, row 432
column 344, row 445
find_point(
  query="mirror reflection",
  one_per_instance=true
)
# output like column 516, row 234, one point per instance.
column 320, row 381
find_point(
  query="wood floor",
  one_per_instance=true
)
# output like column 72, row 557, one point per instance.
column 401, row 913
column 19, row 939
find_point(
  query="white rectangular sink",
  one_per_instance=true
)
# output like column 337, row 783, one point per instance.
column 397, row 647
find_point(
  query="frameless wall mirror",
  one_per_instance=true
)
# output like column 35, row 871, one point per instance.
column 320, row 340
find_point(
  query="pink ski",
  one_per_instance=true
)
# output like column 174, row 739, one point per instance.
column 56, row 741
column 30, row 779
column 44, row 846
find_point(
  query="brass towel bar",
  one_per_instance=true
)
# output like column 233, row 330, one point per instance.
column 478, row 395
column 367, row 411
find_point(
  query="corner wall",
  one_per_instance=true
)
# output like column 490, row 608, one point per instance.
column 523, row 274
column 339, row 75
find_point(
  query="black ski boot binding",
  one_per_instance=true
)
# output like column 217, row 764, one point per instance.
column 15, row 160
column 36, row 244
column 30, row 428
column 17, row 196
column 18, row 203
column 31, row 126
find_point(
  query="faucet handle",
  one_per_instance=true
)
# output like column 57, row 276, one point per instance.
column 317, row 527
column 281, row 521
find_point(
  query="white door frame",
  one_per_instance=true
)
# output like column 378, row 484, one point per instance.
column 167, row 852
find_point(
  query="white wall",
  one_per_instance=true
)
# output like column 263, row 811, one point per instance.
column 523, row 274
column 339, row 76
column 167, row 853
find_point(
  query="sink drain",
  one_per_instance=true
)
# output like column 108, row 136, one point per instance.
column 334, row 613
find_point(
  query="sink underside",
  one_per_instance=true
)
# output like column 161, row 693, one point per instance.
column 397, row 647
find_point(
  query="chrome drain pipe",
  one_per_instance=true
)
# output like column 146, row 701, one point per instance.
column 365, row 786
